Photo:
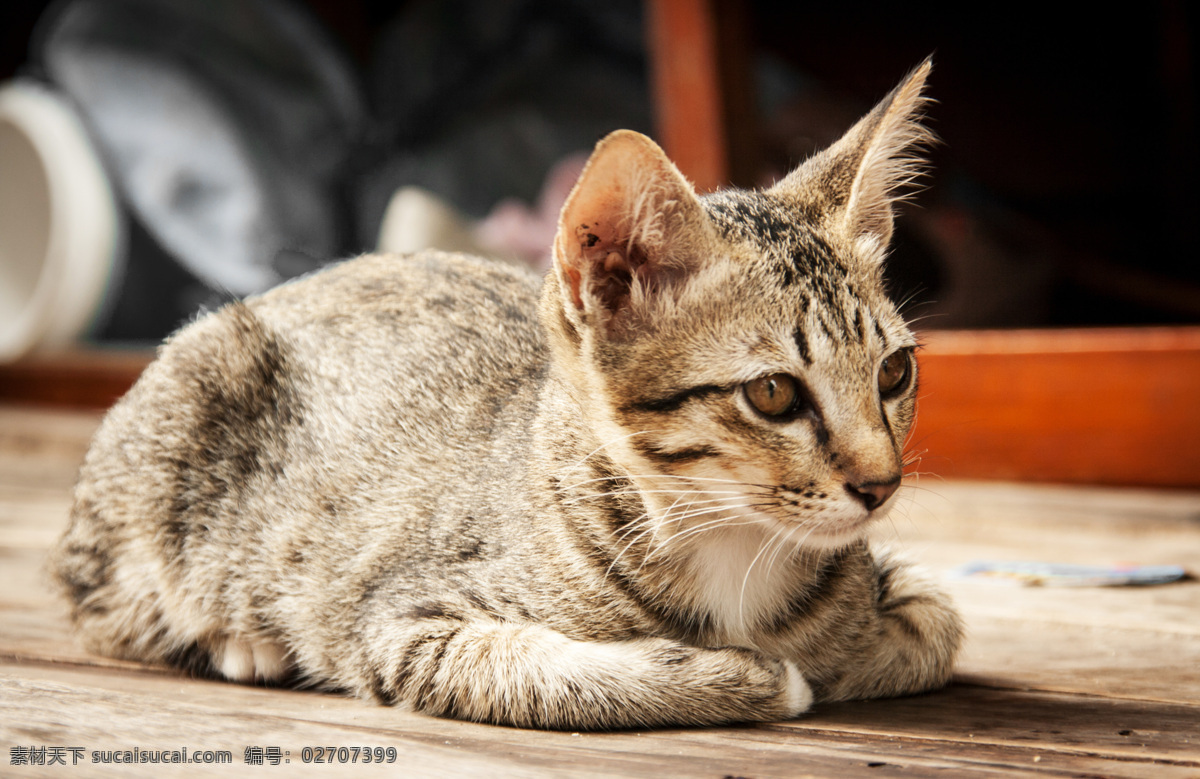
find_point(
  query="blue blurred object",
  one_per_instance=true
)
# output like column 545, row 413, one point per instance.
column 1035, row 574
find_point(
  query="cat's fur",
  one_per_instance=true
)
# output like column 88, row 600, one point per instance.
column 389, row 478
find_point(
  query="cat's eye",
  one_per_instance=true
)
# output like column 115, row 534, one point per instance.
column 894, row 373
column 776, row 395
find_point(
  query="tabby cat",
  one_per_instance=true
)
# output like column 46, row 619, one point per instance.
column 632, row 494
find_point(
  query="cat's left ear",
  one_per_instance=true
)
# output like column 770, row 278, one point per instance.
column 631, row 229
column 857, row 180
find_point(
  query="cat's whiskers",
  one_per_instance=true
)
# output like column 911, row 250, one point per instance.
column 675, row 538
column 792, row 549
column 914, row 490
column 667, row 515
column 596, row 495
column 808, row 563
column 679, row 536
column 687, row 511
column 642, row 522
column 904, row 309
column 583, row 460
column 724, row 521
column 648, row 525
column 628, row 546
column 903, row 305
column 695, row 507
column 734, row 501
column 672, row 544
column 795, row 549
column 726, row 481
column 916, row 476
column 698, row 501
column 649, row 476
column 681, row 510
column 767, row 544
column 763, row 499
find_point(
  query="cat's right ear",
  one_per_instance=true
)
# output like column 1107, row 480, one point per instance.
column 629, row 230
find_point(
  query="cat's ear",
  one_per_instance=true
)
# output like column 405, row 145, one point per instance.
column 629, row 229
column 857, row 180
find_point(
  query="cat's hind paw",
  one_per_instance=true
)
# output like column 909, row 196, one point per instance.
column 242, row 659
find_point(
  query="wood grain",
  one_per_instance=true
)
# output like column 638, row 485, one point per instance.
column 959, row 729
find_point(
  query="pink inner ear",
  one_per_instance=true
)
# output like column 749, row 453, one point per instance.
column 619, row 222
column 611, row 264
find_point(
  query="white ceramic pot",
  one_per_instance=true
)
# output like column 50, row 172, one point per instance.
column 60, row 228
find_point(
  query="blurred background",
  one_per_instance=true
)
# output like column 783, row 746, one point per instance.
column 238, row 143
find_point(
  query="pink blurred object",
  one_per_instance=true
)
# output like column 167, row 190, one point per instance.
column 513, row 229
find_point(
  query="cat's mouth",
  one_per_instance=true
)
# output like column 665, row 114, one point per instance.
column 832, row 528
column 854, row 527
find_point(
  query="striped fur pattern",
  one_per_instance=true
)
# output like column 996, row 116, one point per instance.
column 632, row 494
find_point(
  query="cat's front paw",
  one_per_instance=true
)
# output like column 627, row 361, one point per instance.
column 910, row 594
column 798, row 695
column 922, row 629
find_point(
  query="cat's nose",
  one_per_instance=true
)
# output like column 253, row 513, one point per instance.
column 873, row 494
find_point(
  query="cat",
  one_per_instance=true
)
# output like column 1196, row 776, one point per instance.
column 633, row 494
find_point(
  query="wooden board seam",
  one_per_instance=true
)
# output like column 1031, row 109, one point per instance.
column 998, row 683
column 949, row 742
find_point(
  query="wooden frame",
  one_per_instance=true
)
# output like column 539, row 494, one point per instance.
column 703, row 96
column 1108, row 406
column 78, row 379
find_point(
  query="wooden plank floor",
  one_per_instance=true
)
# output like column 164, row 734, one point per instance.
column 1053, row 681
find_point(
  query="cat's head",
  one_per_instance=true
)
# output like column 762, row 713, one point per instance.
column 736, row 352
